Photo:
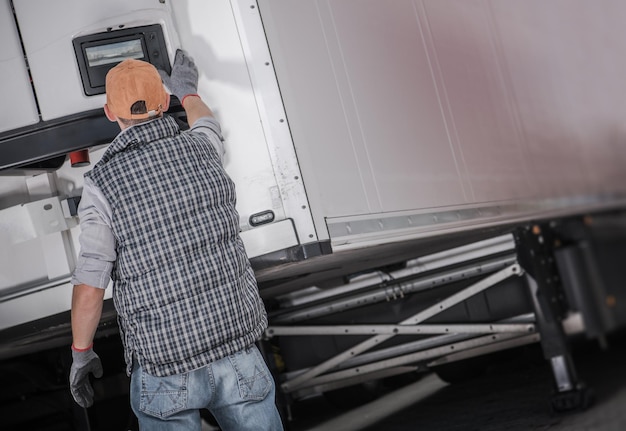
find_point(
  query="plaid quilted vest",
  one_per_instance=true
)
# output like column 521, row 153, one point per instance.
column 183, row 287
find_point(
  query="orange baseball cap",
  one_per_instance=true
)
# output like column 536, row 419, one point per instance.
column 134, row 81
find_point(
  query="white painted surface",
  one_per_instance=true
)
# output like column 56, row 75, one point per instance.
column 42, row 303
column 289, row 181
column 19, row 108
column 48, row 29
column 208, row 32
column 416, row 107
column 35, row 247
column 270, row 237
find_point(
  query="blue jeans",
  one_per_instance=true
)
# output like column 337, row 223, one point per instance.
column 238, row 390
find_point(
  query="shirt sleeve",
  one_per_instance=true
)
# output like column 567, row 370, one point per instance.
column 210, row 127
column 97, row 243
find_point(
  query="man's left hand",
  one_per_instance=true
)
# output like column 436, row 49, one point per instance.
column 84, row 362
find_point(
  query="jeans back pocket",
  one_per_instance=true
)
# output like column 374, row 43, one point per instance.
column 252, row 374
column 163, row 396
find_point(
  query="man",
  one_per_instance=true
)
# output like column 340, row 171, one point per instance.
column 158, row 217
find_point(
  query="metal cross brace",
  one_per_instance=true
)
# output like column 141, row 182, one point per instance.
column 429, row 312
column 481, row 328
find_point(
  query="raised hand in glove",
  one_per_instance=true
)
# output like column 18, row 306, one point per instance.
column 84, row 362
column 183, row 80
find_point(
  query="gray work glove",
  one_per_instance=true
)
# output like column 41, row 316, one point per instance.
column 84, row 363
column 184, row 77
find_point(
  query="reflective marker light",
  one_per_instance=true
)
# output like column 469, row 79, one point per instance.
column 261, row 218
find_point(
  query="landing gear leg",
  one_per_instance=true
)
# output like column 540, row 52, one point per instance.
column 570, row 393
column 535, row 253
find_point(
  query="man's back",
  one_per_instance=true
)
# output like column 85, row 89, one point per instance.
column 183, row 286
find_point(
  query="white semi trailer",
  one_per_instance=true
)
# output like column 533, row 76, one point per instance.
column 396, row 162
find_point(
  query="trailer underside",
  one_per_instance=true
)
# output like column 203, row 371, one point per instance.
column 331, row 328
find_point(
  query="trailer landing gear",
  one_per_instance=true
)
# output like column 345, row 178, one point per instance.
column 577, row 399
column 535, row 246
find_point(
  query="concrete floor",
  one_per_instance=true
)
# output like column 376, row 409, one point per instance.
column 513, row 394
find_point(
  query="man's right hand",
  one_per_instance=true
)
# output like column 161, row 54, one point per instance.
column 183, row 80
column 84, row 362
